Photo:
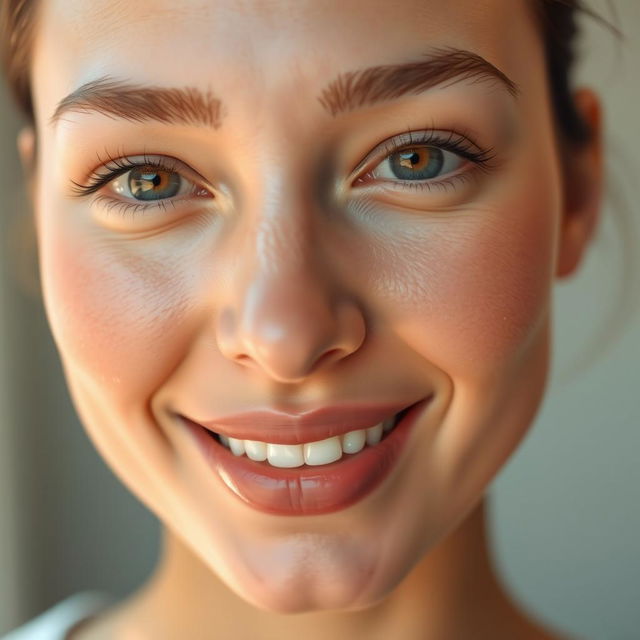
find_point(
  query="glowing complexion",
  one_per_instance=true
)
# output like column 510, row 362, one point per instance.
column 289, row 267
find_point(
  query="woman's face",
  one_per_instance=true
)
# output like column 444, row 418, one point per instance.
column 313, row 237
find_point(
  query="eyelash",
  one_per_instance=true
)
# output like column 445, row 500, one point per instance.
column 454, row 142
column 115, row 167
column 457, row 143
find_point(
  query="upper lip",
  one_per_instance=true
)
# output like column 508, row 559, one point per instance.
column 279, row 427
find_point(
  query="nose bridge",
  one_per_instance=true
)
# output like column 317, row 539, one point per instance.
column 283, row 229
column 287, row 315
column 285, row 285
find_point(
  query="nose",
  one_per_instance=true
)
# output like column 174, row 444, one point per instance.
column 287, row 317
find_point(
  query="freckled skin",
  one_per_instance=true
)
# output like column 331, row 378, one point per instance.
column 231, row 302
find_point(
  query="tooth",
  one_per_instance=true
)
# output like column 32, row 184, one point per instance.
column 374, row 434
column 353, row 441
column 236, row 446
column 388, row 424
column 323, row 451
column 285, row 455
column 224, row 440
column 256, row 450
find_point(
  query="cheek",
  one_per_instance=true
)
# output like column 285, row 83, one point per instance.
column 116, row 316
column 470, row 289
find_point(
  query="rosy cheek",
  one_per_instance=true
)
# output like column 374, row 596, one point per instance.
column 498, row 288
column 116, row 316
column 467, row 291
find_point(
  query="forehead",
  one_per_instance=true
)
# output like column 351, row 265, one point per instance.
column 259, row 47
column 99, row 19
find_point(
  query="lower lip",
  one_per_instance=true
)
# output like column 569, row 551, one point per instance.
column 307, row 490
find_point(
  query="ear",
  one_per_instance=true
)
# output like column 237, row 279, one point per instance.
column 583, row 183
column 27, row 150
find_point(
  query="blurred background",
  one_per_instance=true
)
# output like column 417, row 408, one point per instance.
column 565, row 511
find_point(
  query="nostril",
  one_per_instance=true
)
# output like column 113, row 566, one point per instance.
column 287, row 342
column 327, row 357
column 296, row 371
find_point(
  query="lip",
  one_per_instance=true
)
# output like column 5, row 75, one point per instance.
column 308, row 490
column 280, row 427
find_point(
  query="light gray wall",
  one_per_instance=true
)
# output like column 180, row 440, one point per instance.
column 11, row 564
column 566, row 508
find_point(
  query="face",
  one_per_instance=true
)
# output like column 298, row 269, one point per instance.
column 291, row 244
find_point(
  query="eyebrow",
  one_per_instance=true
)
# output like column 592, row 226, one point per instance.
column 349, row 91
column 355, row 89
column 138, row 103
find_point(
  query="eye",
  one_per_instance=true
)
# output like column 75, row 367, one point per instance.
column 148, row 182
column 143, row 184
column 424, row 159
column 417, row 163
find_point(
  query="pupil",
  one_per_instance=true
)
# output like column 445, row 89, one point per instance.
column 147, row 183
column 420, row 163
column 409, row 161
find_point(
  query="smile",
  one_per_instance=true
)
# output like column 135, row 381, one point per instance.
column 308, row 478
column 319, row 452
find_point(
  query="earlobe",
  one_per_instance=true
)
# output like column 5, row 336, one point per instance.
column 26, row 144
column 583, row 182
column 27, row 149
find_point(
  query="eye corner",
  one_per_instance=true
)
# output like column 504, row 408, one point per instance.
column 360, row 179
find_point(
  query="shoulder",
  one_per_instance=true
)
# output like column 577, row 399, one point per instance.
column 55, row 623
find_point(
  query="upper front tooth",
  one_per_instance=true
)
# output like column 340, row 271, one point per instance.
column 285, row 455
column 312, row 453
column 374, row 434
column 323, row 451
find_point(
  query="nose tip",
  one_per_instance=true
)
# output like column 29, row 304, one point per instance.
column 290, row 337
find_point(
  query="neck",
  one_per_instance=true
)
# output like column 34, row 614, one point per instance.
column 184, row 596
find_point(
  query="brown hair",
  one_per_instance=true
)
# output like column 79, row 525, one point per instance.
column 16, row 31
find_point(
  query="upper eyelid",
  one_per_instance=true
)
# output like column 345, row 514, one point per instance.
column 397, row 142
column 174, row 166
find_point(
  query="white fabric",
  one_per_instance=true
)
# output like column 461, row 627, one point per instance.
column 55, row 623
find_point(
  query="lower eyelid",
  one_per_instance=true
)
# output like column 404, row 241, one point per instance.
column 442, row 184
column 368, row 178
column 447, row 183
column 123, row 207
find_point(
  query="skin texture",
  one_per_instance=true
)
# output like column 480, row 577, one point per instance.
column 290, row 283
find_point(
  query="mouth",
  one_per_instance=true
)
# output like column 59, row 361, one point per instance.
column 313, row 453
column 309, row 478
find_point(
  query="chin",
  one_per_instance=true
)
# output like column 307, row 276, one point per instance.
column 311, row 597
column 312, row 580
